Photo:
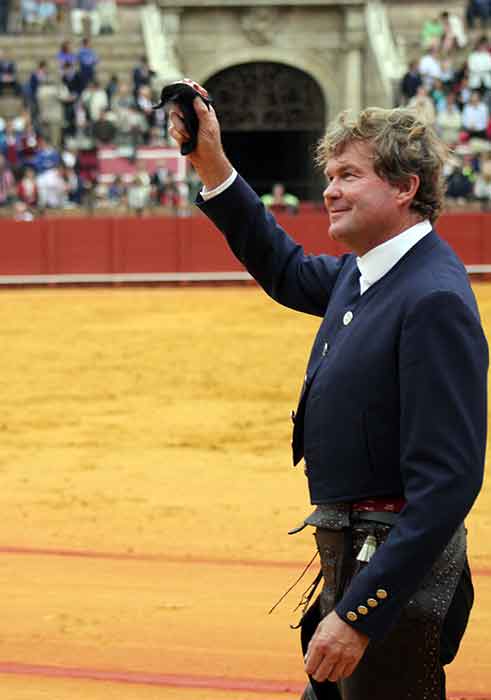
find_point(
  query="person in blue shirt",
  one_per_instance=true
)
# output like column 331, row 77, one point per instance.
column 392, row 416
column 87, row 61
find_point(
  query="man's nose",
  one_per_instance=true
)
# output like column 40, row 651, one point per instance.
column 331, row 191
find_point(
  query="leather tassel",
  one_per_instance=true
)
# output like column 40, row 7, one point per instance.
column 368, row 549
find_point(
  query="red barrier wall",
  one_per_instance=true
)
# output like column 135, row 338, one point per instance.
column 138, row 245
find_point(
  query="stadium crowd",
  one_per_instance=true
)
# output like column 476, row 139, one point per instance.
column 49, row 151
column 450, row 88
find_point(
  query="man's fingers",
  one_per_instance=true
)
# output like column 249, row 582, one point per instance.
column 313, row 658
column 178, row 123
column 324, row 670
column 199, row 88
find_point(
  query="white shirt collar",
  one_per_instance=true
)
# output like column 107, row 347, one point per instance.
column 378, row 261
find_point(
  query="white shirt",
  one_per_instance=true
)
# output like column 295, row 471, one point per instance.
column 475, row 117
column 430, row 68
column 378, row 261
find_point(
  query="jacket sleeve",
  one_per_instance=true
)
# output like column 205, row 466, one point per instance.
column 443, row 361
column 277, row 263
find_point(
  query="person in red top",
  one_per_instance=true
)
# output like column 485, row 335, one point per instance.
column 7, row 183
column 27, row 190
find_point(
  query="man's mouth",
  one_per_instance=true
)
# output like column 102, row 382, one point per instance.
column 336, row 212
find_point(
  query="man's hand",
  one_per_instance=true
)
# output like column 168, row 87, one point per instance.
column 208, row 159
column 335, row 650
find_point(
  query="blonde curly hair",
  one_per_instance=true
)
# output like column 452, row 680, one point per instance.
column 402, row 145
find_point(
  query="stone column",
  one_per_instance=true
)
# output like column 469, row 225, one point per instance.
column 171, row 21
column 354, row 35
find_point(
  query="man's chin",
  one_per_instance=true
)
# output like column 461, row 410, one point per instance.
column 335, row 232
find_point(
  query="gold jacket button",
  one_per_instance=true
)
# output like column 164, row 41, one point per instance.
column 352, row 616
column 372, row 603
column 381, row 594
column 362, row 609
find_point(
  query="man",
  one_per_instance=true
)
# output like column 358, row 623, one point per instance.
column 392, row 415
column 410, row 82
column 142, row 75
column 279, row 200
column 475, row 117
column 8, row 75
column 87, row 62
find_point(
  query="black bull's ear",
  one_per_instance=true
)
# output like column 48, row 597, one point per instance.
column 182, row 94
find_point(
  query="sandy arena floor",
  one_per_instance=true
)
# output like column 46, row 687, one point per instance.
column 146, row 494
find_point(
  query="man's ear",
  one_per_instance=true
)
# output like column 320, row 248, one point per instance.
column 407, row 189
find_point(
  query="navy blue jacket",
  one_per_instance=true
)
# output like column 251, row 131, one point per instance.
column 394, row 400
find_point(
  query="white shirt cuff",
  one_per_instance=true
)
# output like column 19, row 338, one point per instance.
column 209, row 194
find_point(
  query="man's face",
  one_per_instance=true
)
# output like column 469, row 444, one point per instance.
column 362, row 208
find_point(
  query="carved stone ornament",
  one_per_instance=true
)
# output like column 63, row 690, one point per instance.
column 260, row 24
column 267, row 97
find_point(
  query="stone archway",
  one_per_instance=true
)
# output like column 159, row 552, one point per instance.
column 272, row 115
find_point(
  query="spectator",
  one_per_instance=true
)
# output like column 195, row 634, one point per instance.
column 411, row 82
column 65, row 56
column 87, row 61
column 37, row 78
column 460, row 186
column 69, row 94
column 449, row 121
column 138, row 194
column 135, row 130
column 8, row 75
column 447, row 74
column 28, row 141
column 475, row 117
column 52, row 189
column 51, row 111
column 74, row 187
column 453, row 36
column 4, row 16
column 104, row 129
column 463, row 93
column 112, row 89
column 158, row 182
column 430, row 67
column 479, row 64
column 431, row 33
column 46, row 158
column 482, row 188
column 194, row 183
column 423, row 105
column 94, row 100
column 477, row 9
column 84, row 12
column 27, row 190
column 10, row 144
column 438, row 94
column 108, row 16
column 280, row 201
column 22, row 212
column 170, row 197
column 47, row 13
column 7, row 183
column 71, row 77
column 144, row 104
column 142, row 75
column 183, row 208
column 29, row 12
column 116, row 191
column 69, row 156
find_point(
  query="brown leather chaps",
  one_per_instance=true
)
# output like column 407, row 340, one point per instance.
column 408, row 663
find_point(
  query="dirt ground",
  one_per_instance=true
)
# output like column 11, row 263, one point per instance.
column 147, row 490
